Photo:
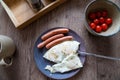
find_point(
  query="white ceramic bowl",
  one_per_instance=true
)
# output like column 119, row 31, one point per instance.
column 113, row 12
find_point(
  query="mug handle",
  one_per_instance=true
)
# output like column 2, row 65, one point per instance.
column 5, row 62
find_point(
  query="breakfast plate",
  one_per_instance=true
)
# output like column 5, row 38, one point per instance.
column 42, row 62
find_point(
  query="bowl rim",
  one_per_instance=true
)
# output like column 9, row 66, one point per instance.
column 86, row 23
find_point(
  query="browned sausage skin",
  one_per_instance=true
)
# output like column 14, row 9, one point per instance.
column 42, row 44
column 57, row 41
column 54, row 32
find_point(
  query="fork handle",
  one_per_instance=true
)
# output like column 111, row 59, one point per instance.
column 96, row 55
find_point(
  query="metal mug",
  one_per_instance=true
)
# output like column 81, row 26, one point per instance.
column 7, row 49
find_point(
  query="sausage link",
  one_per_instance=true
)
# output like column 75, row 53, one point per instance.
column 54, row 32
column 57, row 41
column 42, row 44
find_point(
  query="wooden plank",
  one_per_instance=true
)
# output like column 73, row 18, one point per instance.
column 10, row 14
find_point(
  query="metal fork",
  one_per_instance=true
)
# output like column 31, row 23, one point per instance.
column 96, row 55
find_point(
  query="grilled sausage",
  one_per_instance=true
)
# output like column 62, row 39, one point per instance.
column 57, row 41
column 42, row 44
column 54, row 32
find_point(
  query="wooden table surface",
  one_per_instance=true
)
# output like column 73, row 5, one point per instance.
column 70, row 15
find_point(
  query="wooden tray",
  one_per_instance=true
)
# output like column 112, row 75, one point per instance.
column 22, row 14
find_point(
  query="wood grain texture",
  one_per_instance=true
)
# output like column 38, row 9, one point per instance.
column 68, row 15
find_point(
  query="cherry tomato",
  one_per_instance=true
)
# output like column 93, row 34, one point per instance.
column 96, row 21
column 104, row 13
column 93, row 25
column 98, row 29
column 101, row 20
column 108, row 21
column 92, row 16
column 98, row 14
column 104, row 26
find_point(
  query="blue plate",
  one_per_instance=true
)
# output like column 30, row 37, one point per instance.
column 42, row 63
